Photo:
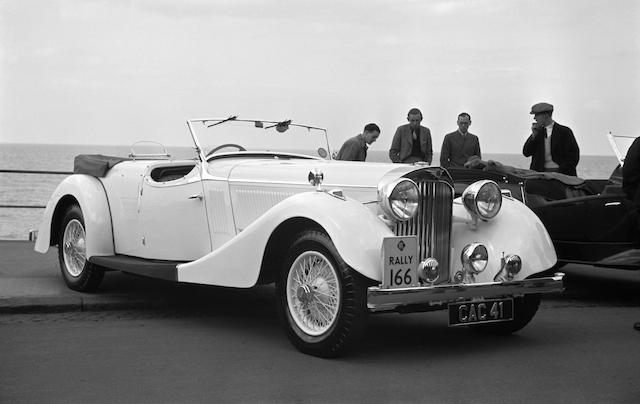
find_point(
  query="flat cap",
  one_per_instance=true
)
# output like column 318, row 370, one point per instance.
column 541, row 107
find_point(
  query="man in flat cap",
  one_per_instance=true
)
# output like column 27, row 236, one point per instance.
column 551, row 146
column 411, row 142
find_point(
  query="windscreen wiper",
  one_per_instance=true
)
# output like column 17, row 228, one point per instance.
column 231, row 118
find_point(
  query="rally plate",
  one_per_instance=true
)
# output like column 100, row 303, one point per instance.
column 400, row 258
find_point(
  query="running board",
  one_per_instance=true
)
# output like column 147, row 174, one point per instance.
column 140, row 266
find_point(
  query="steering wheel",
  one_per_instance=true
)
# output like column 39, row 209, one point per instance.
column 224, row 146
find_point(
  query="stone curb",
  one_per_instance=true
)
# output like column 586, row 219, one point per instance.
column 60, row 304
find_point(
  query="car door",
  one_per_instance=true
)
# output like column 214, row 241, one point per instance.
column 172, row 213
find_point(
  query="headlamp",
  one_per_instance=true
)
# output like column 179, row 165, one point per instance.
column 483, row 199
column 399, row 199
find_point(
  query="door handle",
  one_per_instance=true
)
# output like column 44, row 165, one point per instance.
column 612, row 203
column 198, row 197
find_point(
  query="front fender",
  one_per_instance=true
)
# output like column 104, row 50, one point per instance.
column 515, row 230
column 88, row 192
column 356, row 232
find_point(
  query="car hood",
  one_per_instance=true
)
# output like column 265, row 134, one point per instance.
column 336, row 174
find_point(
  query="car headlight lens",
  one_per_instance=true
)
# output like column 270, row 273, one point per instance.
column 483, row 199
column 474, row 258
column 400, row 199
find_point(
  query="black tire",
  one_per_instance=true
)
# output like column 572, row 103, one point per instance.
column 78, row 273
column 524, row 309
column 347, row 314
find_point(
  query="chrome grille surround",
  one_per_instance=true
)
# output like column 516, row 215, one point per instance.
column 432, row 223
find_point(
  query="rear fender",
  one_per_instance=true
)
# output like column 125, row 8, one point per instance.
column 89, row 194
column 356, row 232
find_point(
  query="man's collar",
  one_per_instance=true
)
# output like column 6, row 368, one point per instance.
column 463, row 134
column 363, row 140
column 550, row 126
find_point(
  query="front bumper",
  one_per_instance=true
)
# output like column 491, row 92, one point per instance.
column 391, row 299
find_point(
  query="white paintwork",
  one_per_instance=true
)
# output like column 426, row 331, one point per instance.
column 245, row 199
column 92, row 199
column 122, row 184
column 173, row 219
column 515, row 230
column 356, row 232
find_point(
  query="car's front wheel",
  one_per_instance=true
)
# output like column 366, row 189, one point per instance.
column 78, row 273
column 321, row 300
column 524, row 309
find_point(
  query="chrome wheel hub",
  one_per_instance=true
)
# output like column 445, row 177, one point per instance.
column 313, row 293
column 74, row 249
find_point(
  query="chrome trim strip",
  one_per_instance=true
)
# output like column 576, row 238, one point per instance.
column 389, row 299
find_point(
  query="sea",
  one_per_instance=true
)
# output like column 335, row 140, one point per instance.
column 34, row 190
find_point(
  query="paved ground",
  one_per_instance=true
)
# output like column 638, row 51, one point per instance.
column 31, row 283
column 144, row 340
column 570, row 353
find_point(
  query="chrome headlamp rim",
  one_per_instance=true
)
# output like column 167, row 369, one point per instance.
column 476, row 194
column 385, row 194
column 474, row 257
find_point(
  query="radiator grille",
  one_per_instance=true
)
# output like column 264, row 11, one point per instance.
column 432, row 224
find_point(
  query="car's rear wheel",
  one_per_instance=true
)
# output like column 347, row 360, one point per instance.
column 321, row 300
column 78, row 273
column 524, row 309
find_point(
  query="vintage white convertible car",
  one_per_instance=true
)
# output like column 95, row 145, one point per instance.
column 339, row 239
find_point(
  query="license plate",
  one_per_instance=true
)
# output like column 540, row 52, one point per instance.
column 400, row 257
column 481, row 311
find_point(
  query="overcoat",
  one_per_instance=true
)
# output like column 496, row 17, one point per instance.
column 564, row 149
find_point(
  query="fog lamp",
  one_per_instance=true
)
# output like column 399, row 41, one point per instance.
column 428, row 270
column 474, row 258
column 511, row 265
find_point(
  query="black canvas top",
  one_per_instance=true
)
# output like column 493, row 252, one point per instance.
column 96, row 165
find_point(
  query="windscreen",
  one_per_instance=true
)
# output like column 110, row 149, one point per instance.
column 620, row 145
column 233, row 135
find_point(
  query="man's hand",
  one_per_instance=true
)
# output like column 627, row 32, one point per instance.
column 535, row 129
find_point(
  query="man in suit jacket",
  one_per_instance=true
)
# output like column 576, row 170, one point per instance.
column 552, row 146
column 355, row 148
column 459, row 146
column 412, row 142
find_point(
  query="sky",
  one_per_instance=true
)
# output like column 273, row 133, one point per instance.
column 114, row 72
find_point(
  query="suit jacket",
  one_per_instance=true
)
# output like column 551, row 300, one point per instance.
column 402, row 144
column 564, row 149
column 456, row 149
column 354, row 149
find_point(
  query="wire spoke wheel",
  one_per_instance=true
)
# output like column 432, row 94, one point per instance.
column 322, row 301
column 74, row 249
column 313, row 293
column 77, row 271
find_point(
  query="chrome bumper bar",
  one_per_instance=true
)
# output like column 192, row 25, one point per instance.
column 389, row 299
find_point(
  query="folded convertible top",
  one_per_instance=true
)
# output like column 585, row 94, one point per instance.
column 96, row 165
